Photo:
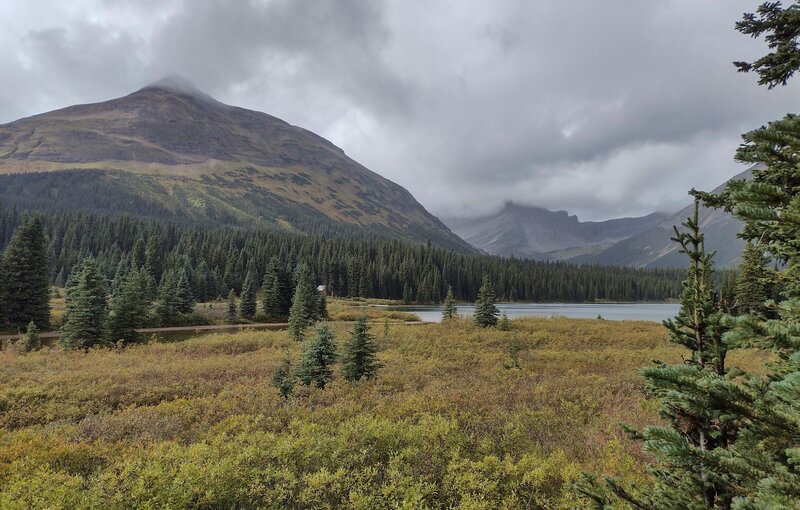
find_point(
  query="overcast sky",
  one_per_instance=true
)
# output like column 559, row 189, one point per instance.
column 602, row 108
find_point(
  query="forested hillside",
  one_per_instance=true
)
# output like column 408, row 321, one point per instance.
column 217, row 260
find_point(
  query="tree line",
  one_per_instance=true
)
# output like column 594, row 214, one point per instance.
column 179, row 266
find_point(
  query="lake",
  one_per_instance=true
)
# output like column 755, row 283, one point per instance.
column 655, row 312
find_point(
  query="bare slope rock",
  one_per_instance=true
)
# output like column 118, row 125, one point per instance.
column 170, row 151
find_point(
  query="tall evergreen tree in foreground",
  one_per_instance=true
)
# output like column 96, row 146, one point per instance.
column 486, row 311
column 305, row 305
column 766, row 454
column 760, row 467
column 319, row 355
column 130, row 308
column 26, row 287
column 695, row 396
column 358, row 355
column 86, row 308
column 247, row 306
column 449, row 310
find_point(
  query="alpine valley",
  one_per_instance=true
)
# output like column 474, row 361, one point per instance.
column 540, row 234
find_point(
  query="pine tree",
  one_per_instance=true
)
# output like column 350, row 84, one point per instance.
column 752, row 282
column 408, row 292
column 276, row 292
column 318, row 358
column 153, row 257
column 449, row 311
column 86, row 308
column 782, row 26
column 167, row 305
column 358, row 356
column 183, row 294
column 503, row 324
column 322, row 307
column 232, row 315
column 765, row 455
column 305, row 306
column 283, row 377
column 696, row 398
column 486, row 310
column 247, row 307
column 727, row 292
column 26, row 292
column 31, row 341
column 130, row 309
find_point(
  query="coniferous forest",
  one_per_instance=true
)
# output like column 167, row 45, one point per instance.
column 205, row 264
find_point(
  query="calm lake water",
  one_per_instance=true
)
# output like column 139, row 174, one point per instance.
column 656, row 312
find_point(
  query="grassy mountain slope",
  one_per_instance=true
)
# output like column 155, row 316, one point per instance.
column 171, row 151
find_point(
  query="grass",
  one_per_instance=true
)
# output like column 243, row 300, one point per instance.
column 196, row 424
column 339, row 309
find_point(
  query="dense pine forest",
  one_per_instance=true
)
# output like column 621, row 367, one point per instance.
column 212, row 262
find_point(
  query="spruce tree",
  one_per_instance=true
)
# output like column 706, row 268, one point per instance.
column 764, row 458
column 183, row 293
column 449, row 311
column 322, row 307
column 86, row 308
column 319, row 355
column 247, row 306
column 504, row 324
column 30, row 340
column 232, row 315
column 276, row 292
column 486, row 310
column 752, row 282
column 167, row 305
column 26, row 292
column 358, row 355
column 283, row 377
column 696, row 398
column 727, row 292
column 408, row 292
column 305, row 306
column 130, row 309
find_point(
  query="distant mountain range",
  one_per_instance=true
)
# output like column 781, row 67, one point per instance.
column 170, row 151
column 536, row 233
column 654, row 248
column 532, row 232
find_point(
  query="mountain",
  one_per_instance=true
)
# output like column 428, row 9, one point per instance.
column 654, row 247
column 533, row 232
column 170, row 151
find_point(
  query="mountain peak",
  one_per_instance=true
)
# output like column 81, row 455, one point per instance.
column 178, row 84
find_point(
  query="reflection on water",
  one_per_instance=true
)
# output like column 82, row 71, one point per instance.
column 656, row 312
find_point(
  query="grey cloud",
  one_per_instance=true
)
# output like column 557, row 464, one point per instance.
column 602, row 108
